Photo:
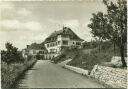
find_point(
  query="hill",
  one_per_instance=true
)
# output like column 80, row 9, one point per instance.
column 87, row 58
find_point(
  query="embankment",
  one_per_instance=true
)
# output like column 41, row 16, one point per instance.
column 11, row 73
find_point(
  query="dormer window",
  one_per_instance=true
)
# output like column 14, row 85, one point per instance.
column 59, row 36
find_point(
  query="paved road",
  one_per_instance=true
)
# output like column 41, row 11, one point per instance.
column 45, row 74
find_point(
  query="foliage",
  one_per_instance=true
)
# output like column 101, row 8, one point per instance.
column 88, row 45
column 11, row 55
column 84, row 59
column 39, row 56
column 113, row 25
column 29, row 57
column 10, row 73
column 87, row 61
column 59, row 58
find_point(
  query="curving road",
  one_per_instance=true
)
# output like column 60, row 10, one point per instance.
column 45, row 74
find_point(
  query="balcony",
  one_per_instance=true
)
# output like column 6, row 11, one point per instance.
column 63, row 37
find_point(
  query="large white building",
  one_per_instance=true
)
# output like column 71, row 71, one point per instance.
column 62, row 39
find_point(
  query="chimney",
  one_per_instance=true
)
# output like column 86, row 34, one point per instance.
column 28, row 46
column 63, row 27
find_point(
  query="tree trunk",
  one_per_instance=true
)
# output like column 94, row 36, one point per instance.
column 122, row 56
column 99, row 48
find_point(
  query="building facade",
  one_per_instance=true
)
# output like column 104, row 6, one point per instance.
column 33, row 52
column 62, row 39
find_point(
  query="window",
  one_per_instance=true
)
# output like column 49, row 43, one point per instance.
column 50, row 50
column 58, row 42
column 34, row 51
column 78, row 43
column 40, row 52
column 50, row 44
column 65, row 42
column 59, row 36
column 54, row 44
column 47, row 45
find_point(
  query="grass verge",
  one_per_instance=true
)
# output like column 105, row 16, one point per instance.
column 10, row 73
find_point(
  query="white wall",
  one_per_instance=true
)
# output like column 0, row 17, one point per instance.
column 57, row 47
column 50, row 56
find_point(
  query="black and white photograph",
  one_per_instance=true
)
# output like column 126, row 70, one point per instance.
column 63, row 44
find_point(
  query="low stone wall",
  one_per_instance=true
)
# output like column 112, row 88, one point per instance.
column 77, row 70
column 114, row 77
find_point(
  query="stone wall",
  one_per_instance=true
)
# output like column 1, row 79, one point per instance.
column 114, row 77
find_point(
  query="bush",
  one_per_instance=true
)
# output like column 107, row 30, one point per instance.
column 29, row 57
column 13, row 65
column 10, row 72
column 59, row 58
column 11, row 55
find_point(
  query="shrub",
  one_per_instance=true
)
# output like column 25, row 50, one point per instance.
column 87, row 61
column 10, row 72
column 11, row 55
column 59, row 58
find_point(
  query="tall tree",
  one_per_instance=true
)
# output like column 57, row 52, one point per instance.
column 11, row 54
column 113, row 25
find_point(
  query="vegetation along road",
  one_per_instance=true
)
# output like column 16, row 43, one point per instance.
column 45, row 74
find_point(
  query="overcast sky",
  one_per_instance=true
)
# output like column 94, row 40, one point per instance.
column 23, row 23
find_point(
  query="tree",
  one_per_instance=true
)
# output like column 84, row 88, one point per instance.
column 11, row 55
column 112, row 25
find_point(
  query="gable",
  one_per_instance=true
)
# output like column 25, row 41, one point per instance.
column 64, row 31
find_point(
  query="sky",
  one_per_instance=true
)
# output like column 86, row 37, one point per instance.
column 25, row 22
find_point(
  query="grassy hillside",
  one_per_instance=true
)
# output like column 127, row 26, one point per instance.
column 68, row 53
column 87, row 58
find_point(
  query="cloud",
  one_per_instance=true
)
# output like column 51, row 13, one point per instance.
column 34, row 38
column 40, row 38
column 10, row 11
column 7, row 9
column 74, row 24
column 34, row 26
column 54, row 21
column 23, row 12
column 6, row 6
column 10, row 25
column 17, row 19
column 16, row 25
column 79, row 28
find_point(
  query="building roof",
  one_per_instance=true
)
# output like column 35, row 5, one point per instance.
column 37, row 46
column 64, row 31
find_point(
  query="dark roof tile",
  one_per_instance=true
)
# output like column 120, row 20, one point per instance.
column 64, row 31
